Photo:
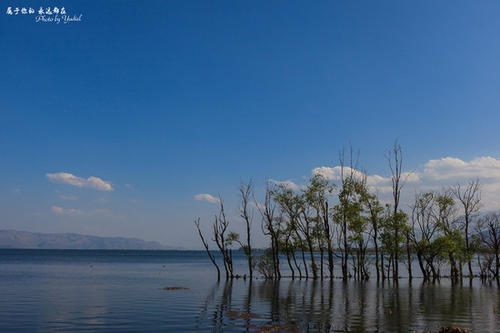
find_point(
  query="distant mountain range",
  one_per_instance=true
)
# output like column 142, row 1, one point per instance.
column 30, row 240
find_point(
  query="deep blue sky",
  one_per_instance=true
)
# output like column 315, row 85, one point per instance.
column 178, row 98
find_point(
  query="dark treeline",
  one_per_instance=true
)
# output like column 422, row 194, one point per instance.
column 326, row 224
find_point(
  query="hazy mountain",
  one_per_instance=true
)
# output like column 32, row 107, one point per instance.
column 32, row 240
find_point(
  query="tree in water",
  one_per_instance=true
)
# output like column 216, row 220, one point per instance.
column 346, row 208
column 423, row 233
column 210, row 255
column 375, row 211
column 290, row 203
column 220, row 225
column 488, row 231
column 470, row 199
column 246, row 192
column 316, row 196
column 395, row 159
column 272, row 227
column 451, row 242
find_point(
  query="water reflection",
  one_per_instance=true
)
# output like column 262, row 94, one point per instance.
column 116, row 295
column 337, row 306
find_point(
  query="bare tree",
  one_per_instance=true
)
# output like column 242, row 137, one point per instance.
column 395, row 159
column 271, row 226
column 488, row 230
column 470, row 198
column 220, row 226
column 246, row 191
column 210, row 255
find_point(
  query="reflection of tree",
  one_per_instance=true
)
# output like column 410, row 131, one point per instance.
column 204, row 309
column 340, row 306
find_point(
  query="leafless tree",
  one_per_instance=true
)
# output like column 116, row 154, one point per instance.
column 395, row 159
column 271, row 226
column 488, row 230
column 470, row 198
column 223, row 242
column 210, row 255
column 246, row 191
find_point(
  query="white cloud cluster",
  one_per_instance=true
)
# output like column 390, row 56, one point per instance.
column 206, row 197
column 435, row 176
column 335, row 173
column 451, row 170
column 454, row 168
column 70, row 179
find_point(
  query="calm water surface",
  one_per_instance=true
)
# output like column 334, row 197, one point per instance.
column 120, row 291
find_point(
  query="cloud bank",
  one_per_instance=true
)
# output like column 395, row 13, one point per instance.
column 95, row 183
column 435, row 175
column 206, row 197
column 454, row 168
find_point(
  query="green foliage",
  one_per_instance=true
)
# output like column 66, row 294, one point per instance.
column 231, row 238
column 389, row 224
column 264, row 264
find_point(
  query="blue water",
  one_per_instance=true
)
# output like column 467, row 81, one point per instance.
column 122, row 291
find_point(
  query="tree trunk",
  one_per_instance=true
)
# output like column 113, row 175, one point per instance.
column 296, row 265
column 329, row 240
column 313, row 263
column 376, row 253
column 497, row 262
column 304, row 262
column 290, row 264
column 421, row 265
column 408, row 253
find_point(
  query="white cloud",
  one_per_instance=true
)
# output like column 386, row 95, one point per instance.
column 206, row 197
column 76, row 212
column 436, row 175
column 335, row 173
column 410, row 177
column 91, row 182
column 66, row 211
column 288, row 184
column 485, row 167
column 451, row 170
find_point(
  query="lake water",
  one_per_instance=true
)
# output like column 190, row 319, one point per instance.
column 120, row 291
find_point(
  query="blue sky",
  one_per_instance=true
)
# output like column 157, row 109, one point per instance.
column 164, row 100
